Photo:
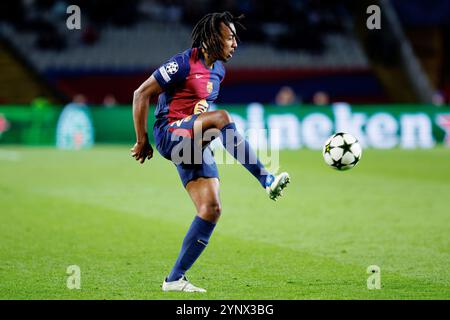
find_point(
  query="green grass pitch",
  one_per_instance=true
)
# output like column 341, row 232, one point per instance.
column 123, row 223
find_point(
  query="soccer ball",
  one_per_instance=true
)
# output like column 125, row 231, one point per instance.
column 342, row 151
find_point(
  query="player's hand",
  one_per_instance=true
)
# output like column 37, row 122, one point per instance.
column 142, row 150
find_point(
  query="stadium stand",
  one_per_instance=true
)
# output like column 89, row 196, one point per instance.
column 307, row 45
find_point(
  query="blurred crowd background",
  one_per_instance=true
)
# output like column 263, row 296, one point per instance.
column 292, row 51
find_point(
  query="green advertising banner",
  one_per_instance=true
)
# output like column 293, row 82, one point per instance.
column 376, row 126
column 289, row 127
column 28, row 125
column 294, row 127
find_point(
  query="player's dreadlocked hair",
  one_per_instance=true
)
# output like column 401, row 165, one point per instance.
column 206, row 33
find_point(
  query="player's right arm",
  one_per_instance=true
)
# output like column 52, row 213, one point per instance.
column 141, row 98
column 174, row 71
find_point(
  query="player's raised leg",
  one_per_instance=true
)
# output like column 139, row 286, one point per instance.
column 240, row 149
column 204, row 192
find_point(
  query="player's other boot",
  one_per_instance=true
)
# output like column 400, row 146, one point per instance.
column 181, row 285
column 276, row 184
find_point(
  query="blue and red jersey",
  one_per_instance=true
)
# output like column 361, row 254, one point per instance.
column 189, row 85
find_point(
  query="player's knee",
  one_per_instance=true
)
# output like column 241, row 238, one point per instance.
column 210, row 211
column 224, row 118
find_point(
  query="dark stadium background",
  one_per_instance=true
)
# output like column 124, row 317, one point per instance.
column 311, row 46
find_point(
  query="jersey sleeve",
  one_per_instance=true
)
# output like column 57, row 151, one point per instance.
column 175, row 70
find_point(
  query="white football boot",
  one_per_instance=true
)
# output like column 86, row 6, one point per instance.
column 276, row 184
column 181, row 285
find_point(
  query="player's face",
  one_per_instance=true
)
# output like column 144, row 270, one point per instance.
column 229, row 41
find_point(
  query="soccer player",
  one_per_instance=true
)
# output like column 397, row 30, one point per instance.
column 186, row 85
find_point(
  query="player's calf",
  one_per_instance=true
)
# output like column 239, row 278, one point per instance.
column 240, row 149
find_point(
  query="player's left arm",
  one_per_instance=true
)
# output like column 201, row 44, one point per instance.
column 141, row 98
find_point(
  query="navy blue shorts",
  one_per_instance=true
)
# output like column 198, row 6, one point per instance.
column 175, row 142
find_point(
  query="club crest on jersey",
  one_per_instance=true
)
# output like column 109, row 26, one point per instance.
column 209, row 87
column 172, row 67
column 201, row 106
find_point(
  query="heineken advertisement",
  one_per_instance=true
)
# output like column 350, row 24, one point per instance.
column 375, row 126
column 290, row 127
